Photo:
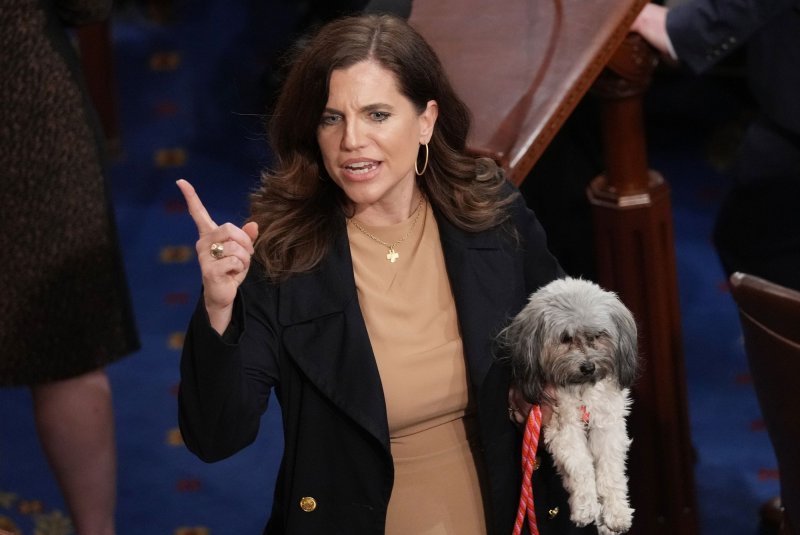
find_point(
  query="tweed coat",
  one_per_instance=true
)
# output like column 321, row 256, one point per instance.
column 65, row 303
column 306, row 338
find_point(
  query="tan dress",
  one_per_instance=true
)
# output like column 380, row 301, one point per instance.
column 411, row 319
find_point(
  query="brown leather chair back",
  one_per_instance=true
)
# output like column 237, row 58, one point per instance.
column 770, row 317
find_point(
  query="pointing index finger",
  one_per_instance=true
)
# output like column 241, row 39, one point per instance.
column 196, row 209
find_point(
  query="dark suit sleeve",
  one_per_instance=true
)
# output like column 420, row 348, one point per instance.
column 703, row 32
column 226, row 380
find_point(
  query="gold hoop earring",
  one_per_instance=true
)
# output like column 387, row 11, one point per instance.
column 425, row 165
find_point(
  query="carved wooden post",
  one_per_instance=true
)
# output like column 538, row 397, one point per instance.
column 634, row 240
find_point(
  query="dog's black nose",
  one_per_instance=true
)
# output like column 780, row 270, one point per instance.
column 587, row 368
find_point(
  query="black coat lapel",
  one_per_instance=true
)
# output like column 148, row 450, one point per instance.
column 325, row 334
column 485, row 288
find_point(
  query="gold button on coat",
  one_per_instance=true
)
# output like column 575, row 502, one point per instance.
column 308, row 504
column 552, row 513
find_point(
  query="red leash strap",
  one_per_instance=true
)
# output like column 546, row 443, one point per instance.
column 530, row 441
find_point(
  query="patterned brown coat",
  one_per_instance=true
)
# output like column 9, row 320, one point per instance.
column 64, row 299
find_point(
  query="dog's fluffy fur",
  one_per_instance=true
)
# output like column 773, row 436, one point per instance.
column 578, row 341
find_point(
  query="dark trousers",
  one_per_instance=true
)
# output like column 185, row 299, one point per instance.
column 757, row 230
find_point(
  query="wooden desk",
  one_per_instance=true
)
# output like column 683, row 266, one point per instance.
column 522, row 66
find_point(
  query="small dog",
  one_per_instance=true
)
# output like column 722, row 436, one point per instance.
column 574, row 346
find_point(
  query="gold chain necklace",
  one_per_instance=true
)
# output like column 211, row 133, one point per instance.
column 392, row 255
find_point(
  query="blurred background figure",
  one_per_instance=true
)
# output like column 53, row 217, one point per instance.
column 757, row 230
column 66, row 308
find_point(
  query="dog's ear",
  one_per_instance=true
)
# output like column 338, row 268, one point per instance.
column 521, row 342
column 626, row 348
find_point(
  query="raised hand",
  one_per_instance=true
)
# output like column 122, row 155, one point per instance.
column 223, row 252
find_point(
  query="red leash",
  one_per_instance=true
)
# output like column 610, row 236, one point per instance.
column 530, row 441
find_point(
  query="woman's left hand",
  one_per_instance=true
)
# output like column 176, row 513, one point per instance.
column 519, row 408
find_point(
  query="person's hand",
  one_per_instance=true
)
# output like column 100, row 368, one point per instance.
column 519, row 408
column 652, row 25
column 225, row 271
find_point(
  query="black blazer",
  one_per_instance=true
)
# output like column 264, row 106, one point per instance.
column 306, row 338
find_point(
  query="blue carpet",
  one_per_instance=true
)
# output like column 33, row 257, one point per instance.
column 191, row 91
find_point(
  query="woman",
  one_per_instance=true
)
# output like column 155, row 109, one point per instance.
column 66, row 309
column 384, row 262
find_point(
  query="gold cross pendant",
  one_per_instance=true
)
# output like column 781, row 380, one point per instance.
column 392, row 255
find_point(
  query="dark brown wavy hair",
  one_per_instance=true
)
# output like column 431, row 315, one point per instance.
column 297, row 205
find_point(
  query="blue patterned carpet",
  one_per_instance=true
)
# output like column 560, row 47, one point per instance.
column 191, row 91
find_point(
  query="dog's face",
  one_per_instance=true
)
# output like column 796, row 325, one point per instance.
column 571, row 332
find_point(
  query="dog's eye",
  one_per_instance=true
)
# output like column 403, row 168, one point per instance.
column 566, row 338
column 599, row 335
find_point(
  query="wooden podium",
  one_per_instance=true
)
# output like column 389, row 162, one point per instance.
column 522, row 66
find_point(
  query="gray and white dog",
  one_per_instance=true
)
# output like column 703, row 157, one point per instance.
column 574, row 346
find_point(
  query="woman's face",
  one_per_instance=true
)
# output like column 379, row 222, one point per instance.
column 369, row 135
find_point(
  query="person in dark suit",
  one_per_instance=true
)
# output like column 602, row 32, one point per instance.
column 378, row 264
column 757, row 229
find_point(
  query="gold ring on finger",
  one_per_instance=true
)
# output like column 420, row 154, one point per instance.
column 217, row 250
